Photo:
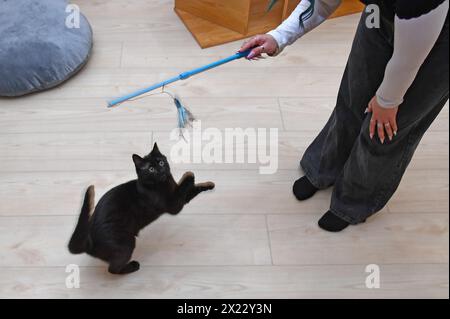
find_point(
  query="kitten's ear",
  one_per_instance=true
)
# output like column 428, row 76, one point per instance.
column 138, row 161
column 155, row 150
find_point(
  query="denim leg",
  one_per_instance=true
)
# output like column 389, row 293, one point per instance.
column 372, row 49
column 373, row 171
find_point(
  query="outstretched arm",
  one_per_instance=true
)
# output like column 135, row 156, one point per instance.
column 308, row 15
column 301, row 21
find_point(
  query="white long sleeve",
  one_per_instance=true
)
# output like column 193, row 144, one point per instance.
column 413, row 41
column 290, row 30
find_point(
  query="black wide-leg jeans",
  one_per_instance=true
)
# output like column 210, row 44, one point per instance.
column 364, row 172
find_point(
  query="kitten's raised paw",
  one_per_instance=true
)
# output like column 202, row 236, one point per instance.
column 134, row 265
column 187, row 177
column 207, row 186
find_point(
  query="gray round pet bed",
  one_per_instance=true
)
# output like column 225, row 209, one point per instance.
column 38, row 49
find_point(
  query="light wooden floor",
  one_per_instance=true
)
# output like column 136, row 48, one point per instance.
column 249, row 238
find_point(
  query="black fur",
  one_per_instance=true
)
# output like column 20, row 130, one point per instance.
column 110, row 233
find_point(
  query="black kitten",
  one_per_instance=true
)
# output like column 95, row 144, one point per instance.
column 110, row 233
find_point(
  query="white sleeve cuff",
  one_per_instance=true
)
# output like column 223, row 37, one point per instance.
column 279, row 39
column 386, row 104
column 290, row 30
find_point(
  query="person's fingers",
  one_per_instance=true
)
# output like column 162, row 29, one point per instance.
column 253, row 42
column 373, row 123
column 369, row 108
column 247, row 45
column 256, row 52
column 381, row 136
column 394, row 127
column 388, row 128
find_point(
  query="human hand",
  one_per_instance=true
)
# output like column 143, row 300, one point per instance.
column 383, row 121
column 263, row 43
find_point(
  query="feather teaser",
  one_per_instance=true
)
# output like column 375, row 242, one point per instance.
column 185, row 117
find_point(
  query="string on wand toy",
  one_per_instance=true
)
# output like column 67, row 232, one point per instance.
column 185, row 117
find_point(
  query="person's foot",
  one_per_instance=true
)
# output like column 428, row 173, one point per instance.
column 303, row 189
column 332, row 223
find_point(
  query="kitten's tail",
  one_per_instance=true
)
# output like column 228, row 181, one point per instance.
column 78, row 242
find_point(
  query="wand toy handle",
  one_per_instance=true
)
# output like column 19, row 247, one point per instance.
column 181, row 76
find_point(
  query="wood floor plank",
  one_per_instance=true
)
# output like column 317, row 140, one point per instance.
column 112, row 150
column 105, row 54
column 385, row 238
column 181, row 240
column 151, row 114
column 441, row 124
column 433, row 152
column 71, row 151
column 422, row 191
column 237, row 192
column 332, row 281
column 305, row 114
column 230, row 81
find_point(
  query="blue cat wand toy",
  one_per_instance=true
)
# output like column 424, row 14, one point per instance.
column 184, row 116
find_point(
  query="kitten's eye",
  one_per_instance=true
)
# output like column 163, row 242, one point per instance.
column 151, row 169
column 161, row 163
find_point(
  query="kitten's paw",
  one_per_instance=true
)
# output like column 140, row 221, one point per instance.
column 207, row 186
column 129, row 268
column 187, row 177
column 134, row 266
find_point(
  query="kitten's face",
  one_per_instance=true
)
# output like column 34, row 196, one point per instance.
column 153, row 168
